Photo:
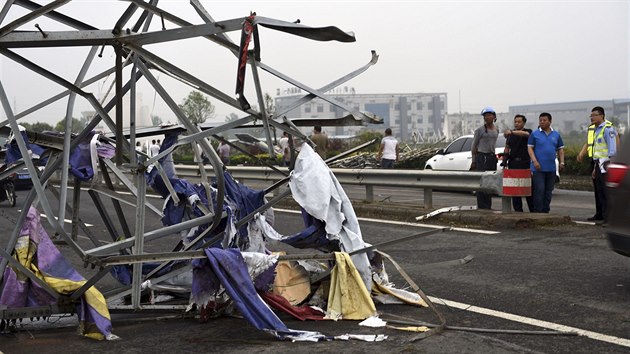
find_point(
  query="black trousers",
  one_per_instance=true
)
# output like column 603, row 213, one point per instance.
column 485, row 162
column 517, row 202
column 601, row 200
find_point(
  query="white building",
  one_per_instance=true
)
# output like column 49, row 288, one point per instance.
column 407, row 114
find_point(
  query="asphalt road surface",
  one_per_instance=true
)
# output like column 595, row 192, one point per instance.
column 564, row 279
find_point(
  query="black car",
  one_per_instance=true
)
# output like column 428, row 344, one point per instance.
column 618, row 184
column 23, row 179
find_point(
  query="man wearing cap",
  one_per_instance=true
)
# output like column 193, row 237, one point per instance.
column 483, row 152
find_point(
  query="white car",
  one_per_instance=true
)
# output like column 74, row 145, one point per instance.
column 457, row 156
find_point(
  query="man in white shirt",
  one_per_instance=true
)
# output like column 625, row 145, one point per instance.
column 283, row 143
column 388, row 152
column 154, row 148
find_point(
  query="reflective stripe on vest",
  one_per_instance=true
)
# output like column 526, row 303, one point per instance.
column 600, row 148
column 591, row 137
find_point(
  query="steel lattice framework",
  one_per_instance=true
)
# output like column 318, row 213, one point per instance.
column 130, row 49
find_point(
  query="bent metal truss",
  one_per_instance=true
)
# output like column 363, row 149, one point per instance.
column 133, row 63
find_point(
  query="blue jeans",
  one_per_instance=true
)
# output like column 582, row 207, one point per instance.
column 543, row 186
column 387, row 163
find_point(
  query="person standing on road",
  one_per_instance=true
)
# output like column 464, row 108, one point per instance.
column 224, row 152
column 320, row 140
column 516, row 157
column 283, row 143
column 388, row 152
column 154, row 148
column 483, row 152
column 542, row 146
column 602, row 142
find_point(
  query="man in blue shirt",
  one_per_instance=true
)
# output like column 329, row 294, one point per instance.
column 542, row 146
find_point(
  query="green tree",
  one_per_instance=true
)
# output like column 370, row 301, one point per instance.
column 197, row 107
column 77, row 125
column 41, row 126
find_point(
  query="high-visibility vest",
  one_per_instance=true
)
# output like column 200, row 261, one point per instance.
column 591, row 136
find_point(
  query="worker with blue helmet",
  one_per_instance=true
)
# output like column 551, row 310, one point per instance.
column 483, row 152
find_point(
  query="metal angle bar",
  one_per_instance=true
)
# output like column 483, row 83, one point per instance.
column 9, row 258
column 51, row 168
column 117, row 208
column 122, row 21
column 330, row 86
column 55, row 78
column 316, row 92
column 145, row 18
column 209, row 151
column 198, row 254
column 55, row 223
column 89, row 283
column 100, row 208
column 181, row 22
column 261, row 103
column 61, row 18
column 222, row 37
column 151, row 235
column 31, row 16
column 167, row 182
column 139, row 242
column 68, row 134
column 202, row 86
column 123, row 198
column 59, row 39
column 111, row 296
column 84, row 227
column 76, row 203
column 59, row 96
column 5, row 9
column 190, row 31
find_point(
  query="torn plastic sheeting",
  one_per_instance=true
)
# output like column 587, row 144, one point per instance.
column 386, row 293
column 227, row 268
column 373, row 322
column 36, row 251
column 363, row 337
column 319, row 193
column 348, row 298
column 302, row 313
column 292, row 282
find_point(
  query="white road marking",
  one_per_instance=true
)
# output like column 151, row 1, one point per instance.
column 65, row 220
column 485, row 232
column 585, row 222
column 534, row 322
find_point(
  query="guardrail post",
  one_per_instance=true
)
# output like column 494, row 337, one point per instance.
column 428, row 198
column 369, row 193
column 506, row 204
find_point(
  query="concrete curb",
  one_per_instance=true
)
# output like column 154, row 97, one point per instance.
column 492, row 219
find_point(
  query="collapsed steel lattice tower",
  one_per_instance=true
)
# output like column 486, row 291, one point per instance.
column 129, row 45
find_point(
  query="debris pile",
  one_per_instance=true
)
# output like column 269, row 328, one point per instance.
column 408, row 157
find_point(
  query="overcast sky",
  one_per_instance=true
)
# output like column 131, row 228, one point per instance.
column 498, row 53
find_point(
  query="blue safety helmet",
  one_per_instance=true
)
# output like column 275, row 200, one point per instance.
column 488, row 110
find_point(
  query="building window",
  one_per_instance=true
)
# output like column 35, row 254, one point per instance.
column 320, row 108
column 307, row 108
column 419, row 105
column 397, row 107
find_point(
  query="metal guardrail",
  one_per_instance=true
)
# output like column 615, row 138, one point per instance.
column 427, row 180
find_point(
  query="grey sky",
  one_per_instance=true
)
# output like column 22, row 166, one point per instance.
column 497, row 53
